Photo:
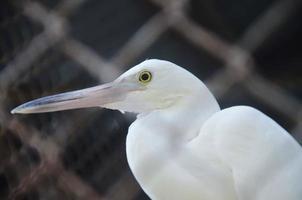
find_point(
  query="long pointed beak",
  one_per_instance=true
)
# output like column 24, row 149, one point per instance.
column 97, row 96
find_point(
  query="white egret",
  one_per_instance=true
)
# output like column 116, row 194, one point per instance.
column 183, row 147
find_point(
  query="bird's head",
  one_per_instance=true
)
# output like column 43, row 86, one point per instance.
column 150, row 85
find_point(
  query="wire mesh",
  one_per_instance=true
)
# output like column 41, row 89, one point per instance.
column 55, row 46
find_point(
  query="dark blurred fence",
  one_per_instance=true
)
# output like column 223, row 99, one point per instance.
column 248, row 52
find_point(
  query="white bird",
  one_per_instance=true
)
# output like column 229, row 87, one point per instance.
column 183, row 147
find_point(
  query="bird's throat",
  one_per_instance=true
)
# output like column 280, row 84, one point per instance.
column 155, row 137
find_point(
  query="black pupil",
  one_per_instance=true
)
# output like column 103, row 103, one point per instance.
column 145, row 77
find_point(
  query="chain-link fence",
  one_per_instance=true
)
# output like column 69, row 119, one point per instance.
column 240, row 49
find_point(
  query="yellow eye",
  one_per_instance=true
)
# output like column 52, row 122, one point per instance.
column 145, row 77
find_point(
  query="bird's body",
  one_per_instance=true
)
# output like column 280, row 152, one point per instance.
column 182, row 146
column 168, row 169
column 257, row 162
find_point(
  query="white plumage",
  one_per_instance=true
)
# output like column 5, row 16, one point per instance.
column 182, row 146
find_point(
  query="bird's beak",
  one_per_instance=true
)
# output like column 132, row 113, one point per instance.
column 97, row 96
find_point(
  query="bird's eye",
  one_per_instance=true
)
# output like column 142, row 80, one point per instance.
column 145, row 77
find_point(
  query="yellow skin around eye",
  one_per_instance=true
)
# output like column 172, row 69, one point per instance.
column 146, row 79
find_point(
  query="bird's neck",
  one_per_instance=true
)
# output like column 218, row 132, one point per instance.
column 181, row 122
column 184, row 119
column 157, row 136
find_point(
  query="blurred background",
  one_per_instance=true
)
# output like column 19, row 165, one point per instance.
column 248, row 52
